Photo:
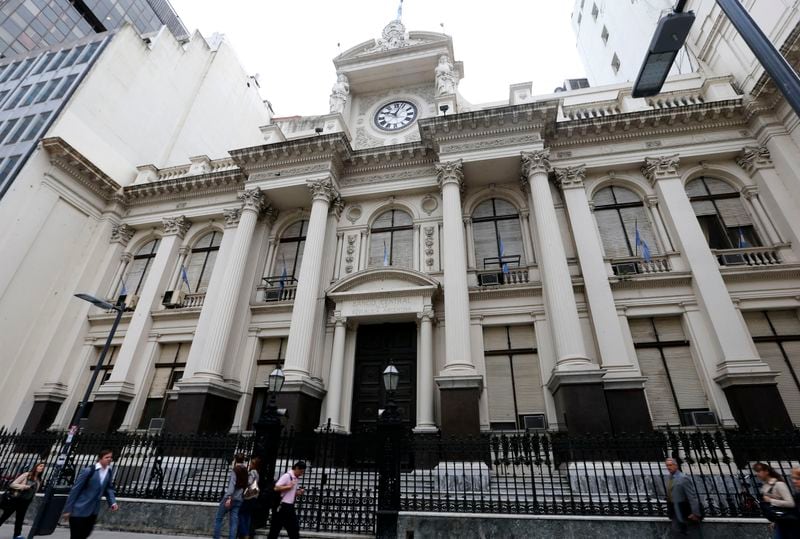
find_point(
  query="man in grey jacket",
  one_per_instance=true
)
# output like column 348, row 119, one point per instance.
column 83, row 502
column 683, row 505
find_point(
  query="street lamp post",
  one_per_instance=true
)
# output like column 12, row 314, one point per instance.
column 48, row 507
column 670, row 37
column 390, row 430
column 268, row 434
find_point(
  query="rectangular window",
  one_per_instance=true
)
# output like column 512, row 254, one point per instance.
column 168, row 372
column 36, row 127
column 673, row 387
column 87, row 54
column 33, row 93
column 58, row 61
column 3, row 95
column 9, row 70
column 62, row 90
column 43, row 63
column 22, row 69
column 21, row 128
column 271, row 354
column 18, row 97
column 48, row 91
column 777, row 338
column 513, row 377
column 73, row 56
column 7, row 128
column 8, row 166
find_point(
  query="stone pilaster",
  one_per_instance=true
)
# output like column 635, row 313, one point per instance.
column 333, row 400
column 425, row 393
column 738, row 363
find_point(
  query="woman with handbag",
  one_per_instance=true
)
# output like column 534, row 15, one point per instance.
column 20, row 495
column 778, row 504
column 231, row 501
column 250, row 497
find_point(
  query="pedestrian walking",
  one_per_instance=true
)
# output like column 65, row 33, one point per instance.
column 284, row 515
column 20, row 495
column 683, row 506
column 250, row 498
column 791, row 530
column 231, row 501
column 778, row 505
column 83, row 502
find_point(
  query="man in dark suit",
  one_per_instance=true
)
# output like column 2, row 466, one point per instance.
column 83, row 502
column 683, row 505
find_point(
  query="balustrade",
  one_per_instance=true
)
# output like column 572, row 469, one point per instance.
column 749, row 256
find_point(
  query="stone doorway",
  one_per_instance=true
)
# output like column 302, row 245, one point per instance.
column 376, row 345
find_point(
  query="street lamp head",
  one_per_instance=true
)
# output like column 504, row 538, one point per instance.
column 275, row 381
column 96, row 301
column 667, row 41
column 391, row 377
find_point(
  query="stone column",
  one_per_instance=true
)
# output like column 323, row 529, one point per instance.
column 623, row 382
column 576, row 380
column 112, row 398
column 662, row 237
column 176, row 281
column 471, row 263
column 415, row 247
column 425, row 416
column 333, row 399
column 459, row 383
column 525, row 222
column 120, row 234
column 206, row 403
column 748, row 382
column 337, row 266
column 302, row 394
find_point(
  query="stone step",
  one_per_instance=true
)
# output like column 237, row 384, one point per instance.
column 262, row 534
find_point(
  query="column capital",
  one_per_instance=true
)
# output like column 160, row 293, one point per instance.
column 651, row 200
column 323, row 190
column 126, row 257
column 754, row 158
column 253, row 199
column 184, row 250
column 570, row 177
column 450, row 172
column 535, row 162
column 427, row 314
column 122, row 234
column 231, row 217
column 664, row 166
column 176, row 225
column 338, row 320
column 524, row 214
column 749, row 191
column 467, row 219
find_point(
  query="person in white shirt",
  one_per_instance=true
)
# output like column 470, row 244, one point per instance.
column 83, row 502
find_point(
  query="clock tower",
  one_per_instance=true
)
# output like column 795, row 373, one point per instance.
column 385, row 86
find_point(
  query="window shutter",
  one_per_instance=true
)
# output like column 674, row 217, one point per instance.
column 376, row 242
column 603, row 197
column 625, row 196
column 522, row 337
column 770, row 352
column 211, row 259
column 495, row 338
column 158, row 388
column 785, row 322
column 634, row 217
column 695, row 188
column 484, row 209
column 485, row 240
column 501, row 208
column 511, row 234
column 657, row 389
column 733, row 212
column 530, row 396
column 757, row 323
column 703, row 207
column 384, row 220
column 401, row 248
column 642, row 330
column 685, row 380
column 669, row 329
column 168, row 352
column 612, row 233
column 270, row 349
column 183, row 352
column 719, row 187
column 499, row 389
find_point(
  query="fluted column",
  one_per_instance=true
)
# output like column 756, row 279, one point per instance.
column 253, row 204
column 425, row 415
column 336, row 376
column 556, row 281
column 458, row 359
column 611, row 342
column 298, row 349
column 738, row 362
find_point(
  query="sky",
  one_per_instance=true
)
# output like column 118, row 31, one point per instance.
column 291, row 43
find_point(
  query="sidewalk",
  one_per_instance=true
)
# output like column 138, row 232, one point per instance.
column 63, row 533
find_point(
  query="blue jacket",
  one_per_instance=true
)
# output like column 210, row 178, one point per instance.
column 84, row 497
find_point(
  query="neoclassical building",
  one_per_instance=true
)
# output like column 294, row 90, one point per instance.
column 580, row 261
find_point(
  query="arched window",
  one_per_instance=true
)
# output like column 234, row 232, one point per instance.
column 140, row 266
column 391, row 240
column 721, row 214
column 290, row 251
column 619, row 212
column 201, row 261
column 497, row 234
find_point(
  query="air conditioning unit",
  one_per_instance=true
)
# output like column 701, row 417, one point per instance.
column 732, row 259
column 488, row 279
column 534, row 422
column 173, row 298
column 273, row 294
column 626, row 268
column 130, row 302
column 166, row 301
column 703, row 418
column 156, row 425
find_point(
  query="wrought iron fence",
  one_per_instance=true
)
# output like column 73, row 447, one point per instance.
column 511, row 473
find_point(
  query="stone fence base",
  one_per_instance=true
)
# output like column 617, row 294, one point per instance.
column 468, row 526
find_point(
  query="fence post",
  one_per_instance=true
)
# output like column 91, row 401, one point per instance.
column 390, row 433
column 268, row 438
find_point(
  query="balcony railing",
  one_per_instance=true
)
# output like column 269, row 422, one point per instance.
column 502, row 270
column 640, row 266
column 193, row 300
column 278, row 289
column 748, row 256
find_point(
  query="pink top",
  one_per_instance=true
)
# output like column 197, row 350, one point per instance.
column 288, row 478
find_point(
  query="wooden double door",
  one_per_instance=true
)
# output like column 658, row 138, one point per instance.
column 376, row 346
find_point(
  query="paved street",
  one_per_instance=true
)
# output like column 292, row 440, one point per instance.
column 63, row 533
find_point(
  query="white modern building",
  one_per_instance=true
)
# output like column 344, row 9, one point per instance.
column 582, row 261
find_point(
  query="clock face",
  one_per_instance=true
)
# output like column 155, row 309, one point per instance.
column 395, row 115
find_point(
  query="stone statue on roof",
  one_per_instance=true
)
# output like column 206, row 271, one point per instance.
column 445, row 77
column 339, row 94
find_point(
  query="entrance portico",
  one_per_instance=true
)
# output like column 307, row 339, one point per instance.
column 380, row 296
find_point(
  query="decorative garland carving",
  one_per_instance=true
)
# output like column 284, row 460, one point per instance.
column 428, row 230
column 351, row 249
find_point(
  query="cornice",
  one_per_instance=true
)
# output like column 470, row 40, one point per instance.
column 333, row 146
column 651, row 281
column 74, row 163
column 760, row 273
column 228, row 181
